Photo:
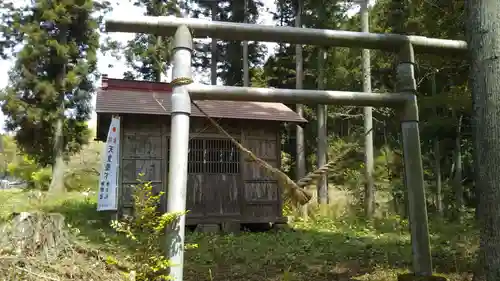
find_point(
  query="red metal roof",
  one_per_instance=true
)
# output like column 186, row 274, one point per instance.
column 141, row 97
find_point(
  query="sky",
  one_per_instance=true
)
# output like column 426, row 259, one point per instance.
column 115, row 68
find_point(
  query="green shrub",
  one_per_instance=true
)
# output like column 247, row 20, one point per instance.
column 146, row 229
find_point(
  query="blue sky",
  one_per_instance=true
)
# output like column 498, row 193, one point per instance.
column 126, row 8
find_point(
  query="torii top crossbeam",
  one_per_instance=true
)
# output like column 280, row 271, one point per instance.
column 281, row 34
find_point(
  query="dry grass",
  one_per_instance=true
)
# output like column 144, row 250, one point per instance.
column 41, row 246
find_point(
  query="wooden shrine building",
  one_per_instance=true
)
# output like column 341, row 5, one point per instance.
column 223, row 186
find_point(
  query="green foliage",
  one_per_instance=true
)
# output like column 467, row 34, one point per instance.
column 328, row 249
column 146, row 229
column 9, row 153
column 280, row 68
column 229, row 54
column 149, row 55
column 81, row 173
column 56, row 65
column 258, row 78
column 439, row 111
column 29, row 171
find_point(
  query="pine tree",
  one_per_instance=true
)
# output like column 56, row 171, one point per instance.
column 48, row 100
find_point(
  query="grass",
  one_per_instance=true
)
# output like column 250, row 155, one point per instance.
column 323, row 249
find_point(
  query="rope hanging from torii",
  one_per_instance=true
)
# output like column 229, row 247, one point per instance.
column 296, row 189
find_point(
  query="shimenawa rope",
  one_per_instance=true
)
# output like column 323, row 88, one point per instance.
column 298, row 193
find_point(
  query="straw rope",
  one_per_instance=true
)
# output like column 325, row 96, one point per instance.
column 181, row 81
column 297, row 191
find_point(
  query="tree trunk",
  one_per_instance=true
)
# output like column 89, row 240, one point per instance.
column 457, row 175
column 322, row 185
column 158, row 68
column 322, row 145
column 483, row 31
column 437, row 172
column 246, row 75
column 213, row 49
column 57, row 181
column 300, row 143
column 395, row 203
column 437, row 158
column 368, row 120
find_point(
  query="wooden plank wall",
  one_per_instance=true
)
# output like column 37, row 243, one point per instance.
column 142, row 153
column 246, row 194
column 262, row 196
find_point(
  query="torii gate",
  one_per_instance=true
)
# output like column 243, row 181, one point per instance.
column 405, row 100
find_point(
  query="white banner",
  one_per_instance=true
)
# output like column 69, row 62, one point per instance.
column 108, row 182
